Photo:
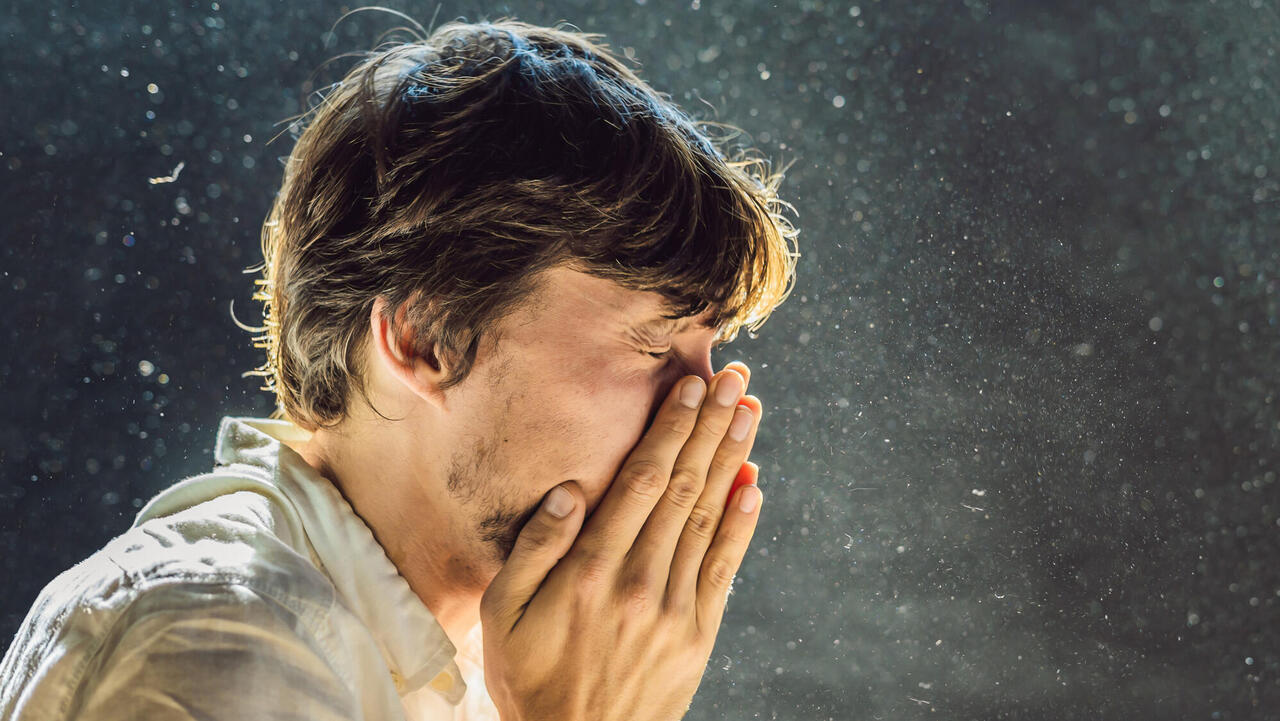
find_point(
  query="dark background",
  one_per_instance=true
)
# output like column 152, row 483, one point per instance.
column 1021, row 429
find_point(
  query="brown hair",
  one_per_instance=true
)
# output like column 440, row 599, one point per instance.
column 447, row 172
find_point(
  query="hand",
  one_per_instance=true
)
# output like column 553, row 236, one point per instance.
column 618, row 621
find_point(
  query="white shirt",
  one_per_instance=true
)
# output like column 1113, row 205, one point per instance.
column 251, row 592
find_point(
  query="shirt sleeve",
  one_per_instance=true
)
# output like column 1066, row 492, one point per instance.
column 212, row 652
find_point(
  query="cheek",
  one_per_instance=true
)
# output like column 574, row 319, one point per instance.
column 622, row 412
column 605, row 411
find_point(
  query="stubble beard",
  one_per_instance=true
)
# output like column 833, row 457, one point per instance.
column 476, row 481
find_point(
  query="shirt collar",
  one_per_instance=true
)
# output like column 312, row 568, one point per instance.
column 413, row 643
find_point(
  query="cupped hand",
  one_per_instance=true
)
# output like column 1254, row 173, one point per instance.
column 616, row 619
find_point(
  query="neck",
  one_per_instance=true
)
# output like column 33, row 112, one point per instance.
column 410, row 517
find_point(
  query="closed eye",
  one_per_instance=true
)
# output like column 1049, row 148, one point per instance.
column 660, row 355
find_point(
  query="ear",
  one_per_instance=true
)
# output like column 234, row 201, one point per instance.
column 394, row 350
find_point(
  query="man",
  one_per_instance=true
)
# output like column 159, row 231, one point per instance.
column 498, row 483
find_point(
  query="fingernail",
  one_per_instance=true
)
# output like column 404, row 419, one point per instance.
column 741, row 424
column 691, row 392
column 559, row 502
column 728, row 388
column 749, row 499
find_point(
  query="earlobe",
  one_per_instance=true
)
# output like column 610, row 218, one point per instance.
column 419, row 373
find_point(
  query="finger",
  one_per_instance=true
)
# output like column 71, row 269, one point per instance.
column 656, row 543
column 731, row 473
column 748, row 474
column 725, row 558
column 742, row 369
column 612, row 528
column 542, row 542
column 728, row 473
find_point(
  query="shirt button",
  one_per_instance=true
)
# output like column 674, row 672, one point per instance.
column 443, row 682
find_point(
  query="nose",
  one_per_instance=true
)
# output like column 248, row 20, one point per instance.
column 698, row 366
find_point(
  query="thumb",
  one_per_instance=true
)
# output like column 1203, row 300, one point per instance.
column 541, row 544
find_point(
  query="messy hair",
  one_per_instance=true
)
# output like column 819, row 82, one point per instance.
column 446, row 173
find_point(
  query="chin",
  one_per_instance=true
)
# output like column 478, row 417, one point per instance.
column 499, row 531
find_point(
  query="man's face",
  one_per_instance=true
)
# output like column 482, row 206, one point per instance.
column 566, row 395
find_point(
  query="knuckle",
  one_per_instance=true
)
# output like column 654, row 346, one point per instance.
column 644, row 478
column 636, row 590
column 712, row 426
column 535, row 537
column 679, row 424
column 726, row 463
column 593, row 571
column 735, row 537
column 720, row 572
column 676, row 610
column 702, row 522
column 684, row 489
